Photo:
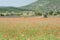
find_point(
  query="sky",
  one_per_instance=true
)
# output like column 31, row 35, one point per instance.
column 15, row 3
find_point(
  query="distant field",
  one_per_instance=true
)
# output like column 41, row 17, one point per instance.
column 29, row 28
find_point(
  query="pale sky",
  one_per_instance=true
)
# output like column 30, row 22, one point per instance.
column 15, row 3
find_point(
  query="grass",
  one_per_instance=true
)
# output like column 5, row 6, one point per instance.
column 29, row 29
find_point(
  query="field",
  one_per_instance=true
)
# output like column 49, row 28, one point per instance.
column 29, row 28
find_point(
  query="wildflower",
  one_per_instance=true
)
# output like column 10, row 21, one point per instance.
column 57, row 33
column 5, row 35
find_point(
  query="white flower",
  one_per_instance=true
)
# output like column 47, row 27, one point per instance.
column 22, row 34
column 28, row 39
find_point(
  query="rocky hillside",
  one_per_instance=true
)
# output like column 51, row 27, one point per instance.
column 45, row 5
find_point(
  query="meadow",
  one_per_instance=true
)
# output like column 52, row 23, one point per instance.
column 29, row 28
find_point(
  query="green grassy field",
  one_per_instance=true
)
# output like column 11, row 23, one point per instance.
column 29, row 29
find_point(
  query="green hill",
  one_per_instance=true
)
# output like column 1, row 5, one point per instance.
column 43, row 5
column 10, row 9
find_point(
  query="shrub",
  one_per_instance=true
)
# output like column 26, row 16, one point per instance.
column 2, row 14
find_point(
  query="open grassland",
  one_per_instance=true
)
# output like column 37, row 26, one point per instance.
column 29, row 28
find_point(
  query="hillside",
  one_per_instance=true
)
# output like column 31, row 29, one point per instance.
column 9, row 9
column 45, row 5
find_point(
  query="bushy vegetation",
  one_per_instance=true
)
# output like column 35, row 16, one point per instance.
column 44, row 13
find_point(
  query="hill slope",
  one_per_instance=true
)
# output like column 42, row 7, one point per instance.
column 41, row 5
column 9, row 9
